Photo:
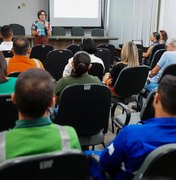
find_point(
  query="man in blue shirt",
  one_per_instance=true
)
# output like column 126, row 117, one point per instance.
column 124, row 155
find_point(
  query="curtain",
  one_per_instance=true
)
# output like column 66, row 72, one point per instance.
column 132, row 20
column 167, row 20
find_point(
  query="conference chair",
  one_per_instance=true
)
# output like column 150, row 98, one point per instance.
column 86, row 107
column 128, row 86
column 139, row 44
column 77, row 31
column 156, row 57
column 8, row 112
column 97, row 32
column 155, row 48
column 140, row 52
column 40, row 52
column 105, row 55
column 74, row 48
column 58, row 31
column 111, row 47
column 128, row 116
column 170, row 69
column 56, row 61
column 7, row 53
column 64, row 165
column 159, row 164
column 97, row 69
column 17, row 29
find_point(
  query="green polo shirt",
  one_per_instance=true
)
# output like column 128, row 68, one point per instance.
column 37, row 136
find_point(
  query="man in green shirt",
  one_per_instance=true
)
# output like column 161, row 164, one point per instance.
column 34, row 132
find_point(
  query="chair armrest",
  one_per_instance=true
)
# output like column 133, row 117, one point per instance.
column 125, row 110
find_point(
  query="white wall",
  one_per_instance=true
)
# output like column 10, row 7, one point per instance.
column 25, row 15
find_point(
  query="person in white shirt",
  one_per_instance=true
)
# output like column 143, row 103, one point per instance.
column 7, row 35
column 88, row 45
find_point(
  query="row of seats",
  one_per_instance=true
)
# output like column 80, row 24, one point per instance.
column 77, row 31
column 59, row 31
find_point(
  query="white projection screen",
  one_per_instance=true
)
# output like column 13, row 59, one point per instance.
column 68, row 13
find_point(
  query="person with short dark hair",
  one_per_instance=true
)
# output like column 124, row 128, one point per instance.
column 81, row 64
column 7, row 84
column 34, row 132
column 7, row 35
column 88, row 45
column 20, row 61
column 41, row 28
column 127, row 151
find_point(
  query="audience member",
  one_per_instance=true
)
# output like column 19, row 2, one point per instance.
column 168, row 58
column 41, row 29
column 34, row 132
column 20, row 61
column 129, row 57
column 7, row 35
column 88, row 45
column 154, row 38
column 124, row 155
column 163, row 36
column 81, row 64
column 7, row 84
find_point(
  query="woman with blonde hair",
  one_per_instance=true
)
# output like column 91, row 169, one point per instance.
column 129, row 58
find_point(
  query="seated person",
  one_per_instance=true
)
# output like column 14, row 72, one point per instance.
column 168, row 58
column 89, row 46
column 34, row 132
column 81, row 64
column 20, row 61
column 129, row 57
column 7, row 84
column 127, row 151
column 163, row 37
column 154, row 38
column 7, row 35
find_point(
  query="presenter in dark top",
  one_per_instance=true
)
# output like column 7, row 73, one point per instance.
column 41, row 29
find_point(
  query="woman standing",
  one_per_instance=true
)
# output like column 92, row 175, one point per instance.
column 41, row 29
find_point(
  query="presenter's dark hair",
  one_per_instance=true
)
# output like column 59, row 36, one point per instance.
column 34, row 91
column 41, row 11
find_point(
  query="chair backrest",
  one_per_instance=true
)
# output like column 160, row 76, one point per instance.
column 7, row 53
column 97, row 32
column 65, row 165
column 59, row 31
column 156, row 57
column 131, row 81
column 171, row 69
column 147, row 110
column 97, row 70
column 105, row 55
column 85, row 107
column 74, row 48
column 140, row 52
column 155, row 48
column 111, row 47
column 56, row 61
column 40, row 52
column 17, row 29
column 8, row 112
column 159, row 164
column 77, row 31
